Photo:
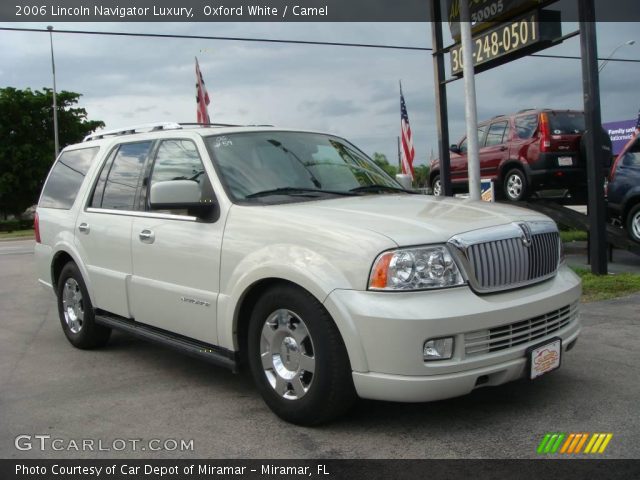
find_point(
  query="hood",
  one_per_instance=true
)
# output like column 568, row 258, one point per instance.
column 410, row 219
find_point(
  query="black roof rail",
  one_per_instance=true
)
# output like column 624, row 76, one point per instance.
column 526, row 110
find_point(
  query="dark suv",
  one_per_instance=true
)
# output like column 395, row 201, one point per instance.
column 526, row 152
column 623, row 190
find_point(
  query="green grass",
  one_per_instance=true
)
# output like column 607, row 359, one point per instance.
column 17, row 234
column 573, row 236
column 605, row 287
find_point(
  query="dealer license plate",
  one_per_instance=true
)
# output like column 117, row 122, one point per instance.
column 565, row 161
column 544, row 358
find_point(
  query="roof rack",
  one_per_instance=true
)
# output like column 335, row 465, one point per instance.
column 155, row 127
column 525, row 110
column 145, row 127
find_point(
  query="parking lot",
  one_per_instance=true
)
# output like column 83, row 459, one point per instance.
column 135, row 390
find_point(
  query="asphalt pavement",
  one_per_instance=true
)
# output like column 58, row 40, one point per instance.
column 132, row 390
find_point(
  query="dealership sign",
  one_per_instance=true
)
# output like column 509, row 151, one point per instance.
column 484, row 12
column 620, row 133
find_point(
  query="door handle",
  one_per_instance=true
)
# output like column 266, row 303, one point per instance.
column 503, row 148
column 147, row 236
column 84, row 228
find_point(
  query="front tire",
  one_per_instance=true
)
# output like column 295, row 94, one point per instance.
column 76, row 311
column 297, row 358
column 515, row 186
column 633, row 223
column 436, row 186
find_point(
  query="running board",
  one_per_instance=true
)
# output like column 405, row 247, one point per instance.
column 207, row 352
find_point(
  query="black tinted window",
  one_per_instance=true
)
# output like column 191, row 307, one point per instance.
column 565, row 123
column 632, row 156
column 123, row 177
column 66, row 178
column 482, row 130
column 496, row 133
column 526, row 125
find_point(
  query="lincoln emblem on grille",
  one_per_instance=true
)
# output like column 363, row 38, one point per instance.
column 526, row 234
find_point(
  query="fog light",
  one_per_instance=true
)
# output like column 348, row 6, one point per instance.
column 438, row 349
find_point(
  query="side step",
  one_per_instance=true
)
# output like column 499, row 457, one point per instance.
column 207, row 352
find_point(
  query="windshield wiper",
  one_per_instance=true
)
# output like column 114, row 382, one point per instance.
column 295, row 191
column 379, row 188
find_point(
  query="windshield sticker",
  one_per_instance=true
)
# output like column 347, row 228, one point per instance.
column 222, row 142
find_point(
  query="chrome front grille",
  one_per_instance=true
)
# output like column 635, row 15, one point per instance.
column 509, row 256
column 526, row 331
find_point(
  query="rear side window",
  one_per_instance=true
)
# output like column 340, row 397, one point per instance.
column 123, row 177
column 496, row 133
column 526, row 125
column 66, row 177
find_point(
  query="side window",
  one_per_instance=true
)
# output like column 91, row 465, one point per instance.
column 632, row 156
column 496, row 133
column 98, row 191
column 124, row 176
column 482, row 129
column 179, row 160
column 526, row 125
column 66, row 177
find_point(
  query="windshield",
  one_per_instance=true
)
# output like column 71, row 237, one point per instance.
column 565, row 123
column 262, row 165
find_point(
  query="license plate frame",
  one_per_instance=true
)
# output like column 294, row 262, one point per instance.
column 565, row 161
column 537, row 365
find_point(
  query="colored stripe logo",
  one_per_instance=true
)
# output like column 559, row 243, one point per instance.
column 574, row 443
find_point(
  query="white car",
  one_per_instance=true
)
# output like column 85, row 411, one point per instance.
column 294, row 253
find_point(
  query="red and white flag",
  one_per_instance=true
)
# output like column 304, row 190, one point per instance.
column 202, row 97
column 407, row 153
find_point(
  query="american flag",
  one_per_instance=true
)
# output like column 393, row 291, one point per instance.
column 202, row 97
column 407, row 153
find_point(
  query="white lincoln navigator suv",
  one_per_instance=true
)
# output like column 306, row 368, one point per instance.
column 291, row 252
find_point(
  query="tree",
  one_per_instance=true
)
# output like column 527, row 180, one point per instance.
column 27, row 143
column 421, row 175
column 381, row 160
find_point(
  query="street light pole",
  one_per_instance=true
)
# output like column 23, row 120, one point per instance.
column 55, row 101
column 470, row 110
column 610, row 56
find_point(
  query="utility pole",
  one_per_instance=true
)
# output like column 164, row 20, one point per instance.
column 593, row 123
column 55, row 100
column 470, row 111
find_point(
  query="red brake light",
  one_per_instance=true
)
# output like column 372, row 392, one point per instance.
column 36, row 227
column 545, row 141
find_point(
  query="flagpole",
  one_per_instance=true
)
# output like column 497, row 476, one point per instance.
column 55, row 100
column 399, row 159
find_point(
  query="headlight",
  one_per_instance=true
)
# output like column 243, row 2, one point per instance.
column 416, row 268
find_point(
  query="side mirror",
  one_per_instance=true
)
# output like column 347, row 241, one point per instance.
column 179, row 195
column 455, row 149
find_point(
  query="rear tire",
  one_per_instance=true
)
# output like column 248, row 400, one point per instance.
column 633, row 223
column 76, row 311
column 515, row 186
column 297, row 358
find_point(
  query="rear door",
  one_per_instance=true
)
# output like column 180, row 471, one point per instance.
column 103, row 229
column 176, row 257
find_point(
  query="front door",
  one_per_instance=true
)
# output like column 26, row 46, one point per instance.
column 176, row 257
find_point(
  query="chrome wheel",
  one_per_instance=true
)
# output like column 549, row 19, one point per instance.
column 635, row 226
column 287, row 355
column 72, row 305
column 437, row 188
column 514, row 186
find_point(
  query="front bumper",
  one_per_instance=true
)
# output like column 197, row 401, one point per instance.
column 384, row 333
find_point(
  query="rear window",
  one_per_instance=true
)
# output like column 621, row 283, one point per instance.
column 66, row 177
column 566, row 123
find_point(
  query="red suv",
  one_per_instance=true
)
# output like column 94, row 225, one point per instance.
column 525, row 152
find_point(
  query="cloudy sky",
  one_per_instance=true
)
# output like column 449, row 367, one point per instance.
column 352, row 92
